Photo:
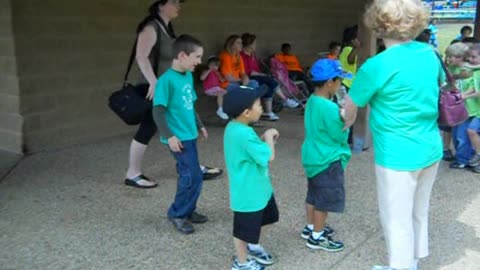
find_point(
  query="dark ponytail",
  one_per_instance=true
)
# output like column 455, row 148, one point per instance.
column 153, row 15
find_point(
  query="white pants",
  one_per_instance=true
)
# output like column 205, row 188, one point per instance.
column 403, row 201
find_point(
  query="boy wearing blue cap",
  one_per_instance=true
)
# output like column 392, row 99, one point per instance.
column 247, row 158
column 325, row 154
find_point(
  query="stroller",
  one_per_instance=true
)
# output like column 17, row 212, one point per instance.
column 297, row 91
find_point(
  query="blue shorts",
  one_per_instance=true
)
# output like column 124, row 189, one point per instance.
column 475, row 124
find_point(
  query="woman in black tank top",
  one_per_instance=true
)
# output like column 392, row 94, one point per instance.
column 154, row 56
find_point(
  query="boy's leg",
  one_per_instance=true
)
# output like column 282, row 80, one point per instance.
column 241, row 250
column 310, row 209
column 425, row 181
column 319, row 219
column 473, row 133
column 270, row 215
column 189, row 183
column 396, row 191
column 463, row 147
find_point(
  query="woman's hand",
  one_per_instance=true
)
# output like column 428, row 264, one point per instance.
column 151, row 91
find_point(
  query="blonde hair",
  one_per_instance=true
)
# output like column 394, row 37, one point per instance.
column 396, row 19
column 457, row 49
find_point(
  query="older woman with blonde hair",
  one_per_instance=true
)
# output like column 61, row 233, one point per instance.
column 403, row 96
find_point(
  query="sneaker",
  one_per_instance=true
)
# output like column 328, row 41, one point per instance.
column 182, row 225
column 197, row 218
column 270, row 116
column 457, row 165
column 448, row 155
column 290, row 103
column 260, row 256
column 476, row 168
column 306, row 232
column 249, row 265
column 475, row 161
column 222, row 115
column 325, row 243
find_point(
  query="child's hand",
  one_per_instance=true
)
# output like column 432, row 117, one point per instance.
column 175, row 144
column 271, row 134
column 204, row 133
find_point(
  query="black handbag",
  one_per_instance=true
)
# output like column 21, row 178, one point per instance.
column 129, row 103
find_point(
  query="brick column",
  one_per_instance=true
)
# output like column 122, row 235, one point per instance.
column 10, row 118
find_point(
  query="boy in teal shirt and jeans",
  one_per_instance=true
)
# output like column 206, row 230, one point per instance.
column 247, row 158
column 325, row 154
column 177, row 123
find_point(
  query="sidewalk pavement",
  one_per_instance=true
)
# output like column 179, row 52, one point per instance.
column 69, row 209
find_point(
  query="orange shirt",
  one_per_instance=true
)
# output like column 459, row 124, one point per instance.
column 289, row 60
column 231, row 65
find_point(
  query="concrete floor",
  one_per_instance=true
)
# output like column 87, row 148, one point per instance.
column 69, row 209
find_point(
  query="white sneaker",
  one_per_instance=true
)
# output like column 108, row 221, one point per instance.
column 270, row 116
column 222, row 115
column 290, row 103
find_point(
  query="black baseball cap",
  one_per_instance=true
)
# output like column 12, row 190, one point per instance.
column 237, row 100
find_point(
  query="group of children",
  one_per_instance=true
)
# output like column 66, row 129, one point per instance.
column 214, row 82
column 325, row 154
column 463, row 63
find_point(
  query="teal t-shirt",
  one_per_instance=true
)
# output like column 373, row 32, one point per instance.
column 175, row 92
column 325, row 140
column 472, row 83
column 401, row 86
column 247, row 159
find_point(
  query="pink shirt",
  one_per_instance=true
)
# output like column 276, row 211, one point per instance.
column 211, row 81
column 250, row 62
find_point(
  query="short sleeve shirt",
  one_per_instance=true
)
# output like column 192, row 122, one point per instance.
column 289, row 60
column 403, row 96
column 472, row 104
column 175, row 92
column 247, row 159
column 250, row 62
column 231, row 65
column 325, row 140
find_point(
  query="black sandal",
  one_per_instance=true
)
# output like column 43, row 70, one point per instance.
column 134, row 182
column 208, row 175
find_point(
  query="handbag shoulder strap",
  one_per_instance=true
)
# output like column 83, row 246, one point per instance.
column 134, row 52
column 450, row 79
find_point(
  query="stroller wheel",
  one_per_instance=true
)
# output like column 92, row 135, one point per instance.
column 277, row 105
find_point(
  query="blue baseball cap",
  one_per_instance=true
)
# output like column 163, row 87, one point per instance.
column 326, row 69
column 240, row 98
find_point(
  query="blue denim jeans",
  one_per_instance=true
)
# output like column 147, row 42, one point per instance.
column 189, row 184
column 463, row 147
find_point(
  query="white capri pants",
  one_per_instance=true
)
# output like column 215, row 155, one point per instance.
column 403, row 201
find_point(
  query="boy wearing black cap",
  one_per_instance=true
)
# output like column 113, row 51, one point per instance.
column 325, row 154
column 247, row 158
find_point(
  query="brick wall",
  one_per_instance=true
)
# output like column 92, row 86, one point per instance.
column 71, row 54
column 10, row 118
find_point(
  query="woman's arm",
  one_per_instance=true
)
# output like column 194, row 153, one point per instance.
column 350, row 112
column 146, row 40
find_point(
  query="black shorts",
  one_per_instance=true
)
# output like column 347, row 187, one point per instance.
column 247, row 225
column 325, row 190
